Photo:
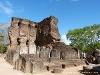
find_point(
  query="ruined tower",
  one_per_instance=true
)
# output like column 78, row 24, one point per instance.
column 32, row 44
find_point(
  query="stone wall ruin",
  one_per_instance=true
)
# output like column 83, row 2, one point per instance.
column 33, row 44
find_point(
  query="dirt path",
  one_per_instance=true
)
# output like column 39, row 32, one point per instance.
column 7, row 69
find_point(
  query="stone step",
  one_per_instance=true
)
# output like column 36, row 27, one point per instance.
column 57, row 70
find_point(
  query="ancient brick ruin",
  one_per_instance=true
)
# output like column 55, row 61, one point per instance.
column 36, row 47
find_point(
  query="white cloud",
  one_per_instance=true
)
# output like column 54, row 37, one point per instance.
column 8, row 8
column 5, row 8
column 8, row 3
column 64, row 39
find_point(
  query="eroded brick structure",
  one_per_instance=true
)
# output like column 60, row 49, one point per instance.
column 33, row 44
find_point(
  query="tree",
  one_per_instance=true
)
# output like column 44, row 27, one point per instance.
column 3, row 48
column 4, row 31
column 87, row 38
column 3, row 37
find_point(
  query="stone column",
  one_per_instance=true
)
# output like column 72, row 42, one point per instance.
column 23, row 46
column 44, row 54
column 24, row 33
column 13, row 34
column 47, row 54
column 78, row 52
column 32, row 38
column 15, row 57
column 28, row 66
column 37, row 50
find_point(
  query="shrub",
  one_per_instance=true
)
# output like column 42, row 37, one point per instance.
column 3, row 48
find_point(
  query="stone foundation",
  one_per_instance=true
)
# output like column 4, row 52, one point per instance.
column 33, row 44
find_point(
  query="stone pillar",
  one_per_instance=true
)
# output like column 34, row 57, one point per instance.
column 19, row 63
column 23, row 46
column 15, row 57
column 78, row 52
column 28, row 66
column 37, row 66
column 13, row 34
column 11, row 54
column 23, row 64
column 38, row 51
column 43, row 53
column 24, row 33
column 47, row 54
column 16, row 65
column 32, row 38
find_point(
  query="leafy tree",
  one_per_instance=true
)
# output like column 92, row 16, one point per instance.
column 3, row 48
column 87, row 38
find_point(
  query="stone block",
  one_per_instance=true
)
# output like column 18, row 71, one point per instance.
column 53, row 65
column 23, row 50
column 54, row 59
column 57, row 70
column 32, row 49
column 37, row 66
column 15, row 57
column 28, row 67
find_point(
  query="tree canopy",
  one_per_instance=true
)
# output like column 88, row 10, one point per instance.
column 87, row 38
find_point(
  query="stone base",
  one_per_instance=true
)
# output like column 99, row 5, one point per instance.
column 37, row 66
column 15, row 57
column 52, row 66
column 10, row 56
column 54, row 59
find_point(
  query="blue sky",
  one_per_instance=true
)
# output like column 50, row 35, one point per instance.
column 71, row 14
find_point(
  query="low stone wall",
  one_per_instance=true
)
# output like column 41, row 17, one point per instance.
column 26, row 63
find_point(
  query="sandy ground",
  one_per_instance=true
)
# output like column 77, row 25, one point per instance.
column 7, row 69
